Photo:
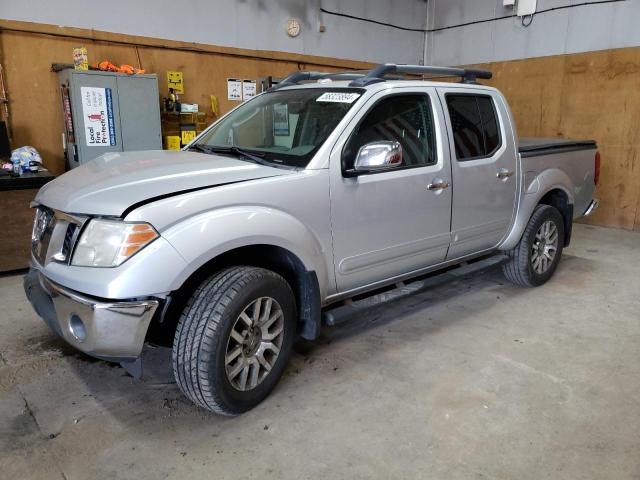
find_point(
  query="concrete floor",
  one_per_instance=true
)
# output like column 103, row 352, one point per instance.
column 474, row 379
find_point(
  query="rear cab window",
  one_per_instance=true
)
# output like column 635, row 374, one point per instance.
column 474, row 122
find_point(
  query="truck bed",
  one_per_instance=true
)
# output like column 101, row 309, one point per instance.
column 534, row 147
column 573, row 157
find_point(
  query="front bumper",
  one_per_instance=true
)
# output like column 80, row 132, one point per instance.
column 109, row 330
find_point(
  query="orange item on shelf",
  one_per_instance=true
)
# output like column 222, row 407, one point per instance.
column 106, row 65
column 129, row 69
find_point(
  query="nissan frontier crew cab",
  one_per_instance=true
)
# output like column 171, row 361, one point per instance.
column 324, row 188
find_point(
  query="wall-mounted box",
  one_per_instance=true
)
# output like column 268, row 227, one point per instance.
column 526, row 7
column 108, row 112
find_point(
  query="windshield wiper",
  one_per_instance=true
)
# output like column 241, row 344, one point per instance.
column 252, row 156
column 201, row 148
column 248, row 153
column 257, row 157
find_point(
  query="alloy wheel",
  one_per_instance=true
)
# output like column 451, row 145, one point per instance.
column 254, row 343
column 544, row 247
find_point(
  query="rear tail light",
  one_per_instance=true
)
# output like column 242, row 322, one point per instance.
column 596, row 170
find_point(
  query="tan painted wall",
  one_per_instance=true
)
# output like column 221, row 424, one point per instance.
column 35, row 105
column 589, row 95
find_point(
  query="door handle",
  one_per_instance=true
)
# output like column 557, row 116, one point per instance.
column 504, row 173
column 438, row 185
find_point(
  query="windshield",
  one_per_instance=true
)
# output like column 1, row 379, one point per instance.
column 283, row 127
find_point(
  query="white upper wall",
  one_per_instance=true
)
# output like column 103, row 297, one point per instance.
column 259, row 24
column 571, row 30
column 254, row 24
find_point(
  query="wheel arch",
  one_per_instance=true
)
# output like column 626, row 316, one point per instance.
column 559, row 199
column 303, row 282
column 556, row 194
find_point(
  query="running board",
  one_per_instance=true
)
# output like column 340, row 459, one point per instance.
column 341, row 314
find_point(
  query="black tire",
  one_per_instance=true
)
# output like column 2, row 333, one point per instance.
column 203, row 332
column 519, row 268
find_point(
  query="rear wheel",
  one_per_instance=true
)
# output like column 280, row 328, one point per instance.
column 534, row 260
column 234, row 338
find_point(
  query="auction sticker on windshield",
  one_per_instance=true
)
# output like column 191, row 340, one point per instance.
column 338, row 97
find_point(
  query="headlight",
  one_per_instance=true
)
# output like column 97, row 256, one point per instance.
column 108, row 243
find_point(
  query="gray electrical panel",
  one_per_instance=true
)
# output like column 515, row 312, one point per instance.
column 108, row 112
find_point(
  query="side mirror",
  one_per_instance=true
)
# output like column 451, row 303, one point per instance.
column 378, row 156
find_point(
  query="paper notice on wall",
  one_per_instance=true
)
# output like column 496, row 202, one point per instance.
column 248, row 89
column 97, row 113
column 234, row 89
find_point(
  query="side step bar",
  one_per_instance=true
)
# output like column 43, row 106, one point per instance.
column 338, row 315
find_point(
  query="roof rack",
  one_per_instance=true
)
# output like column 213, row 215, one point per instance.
column 377, row 74
column 468, row 75
column 298, row 77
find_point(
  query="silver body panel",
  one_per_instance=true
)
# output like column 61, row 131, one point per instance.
column 112, row 183
column 388, row 223
column 483, row 205
column 572, row 172
column 355, row 233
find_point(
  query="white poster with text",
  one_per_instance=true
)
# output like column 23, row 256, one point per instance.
column 248, row 89
column 234, row 89
column 97, row 112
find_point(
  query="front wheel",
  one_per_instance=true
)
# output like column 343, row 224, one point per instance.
column 534, row 260
column 234, row 339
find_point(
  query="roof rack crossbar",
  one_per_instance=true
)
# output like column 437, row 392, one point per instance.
column 468, row 75
column 298, row 77
column 379, row 72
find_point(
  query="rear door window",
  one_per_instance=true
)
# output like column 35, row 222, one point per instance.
column 475, row 125
column 489, row 125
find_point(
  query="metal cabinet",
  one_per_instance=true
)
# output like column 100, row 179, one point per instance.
column 108, row 112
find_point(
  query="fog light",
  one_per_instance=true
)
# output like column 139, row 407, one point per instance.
column 77, row 328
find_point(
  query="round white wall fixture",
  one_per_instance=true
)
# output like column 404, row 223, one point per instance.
column 292, row 27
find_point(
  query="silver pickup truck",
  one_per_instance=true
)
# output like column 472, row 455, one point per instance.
column 325, row 188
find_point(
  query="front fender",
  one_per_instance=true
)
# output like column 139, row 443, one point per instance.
column 207, row 235
column 534, row 188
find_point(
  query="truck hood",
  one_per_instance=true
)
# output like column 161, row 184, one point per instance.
column 113, row 182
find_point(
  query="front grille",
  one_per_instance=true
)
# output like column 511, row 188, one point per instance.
column 69, row 237
column 54, row 235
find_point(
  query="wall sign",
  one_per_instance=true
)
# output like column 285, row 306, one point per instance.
column 80, row 58
column 175, row 81
column 248, row 89
column 234, row 89
column 97, row 114
column 187, row 136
